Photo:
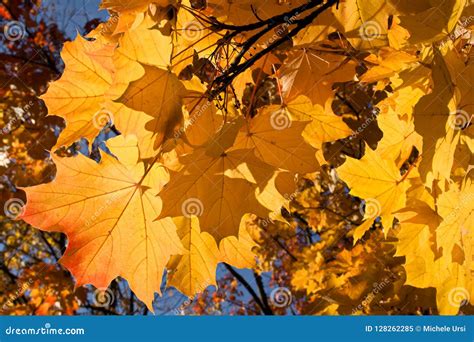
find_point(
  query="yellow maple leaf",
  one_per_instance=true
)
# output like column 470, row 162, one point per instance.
column 218, row 186
column 379, row 183
column 389, row 62
column 312, row 73
column 78, row 95
column 365, row 23
column 433, row 23
column 159, row 94
column 456, row 207
column 263, row 135
column 195, row 270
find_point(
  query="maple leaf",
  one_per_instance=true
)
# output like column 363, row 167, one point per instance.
column 130, row 6
column 365, row 22
column 415, row 241
column 191, row 36
column 219, row 187
column 431, row 119
column 203, row 119
column 433, row 23
column 238, row 13
column 195, row 270
column 262, row 134
column 139, row 45
column 388, row 63
column 456, row 207
column 78, row 95
column 158, row 93
column 238, row 251
column 323, row 126
column 399, row 139
column 379, row 182
column 108, row 212
column 312, row 73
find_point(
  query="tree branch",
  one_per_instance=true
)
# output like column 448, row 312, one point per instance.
column 249, row 289
column 222, row 81
column 261, row 288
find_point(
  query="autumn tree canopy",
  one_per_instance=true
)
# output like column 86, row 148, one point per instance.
column 327, row 142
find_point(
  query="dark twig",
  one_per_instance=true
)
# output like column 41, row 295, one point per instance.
column 249, row 288
column 221, row 82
